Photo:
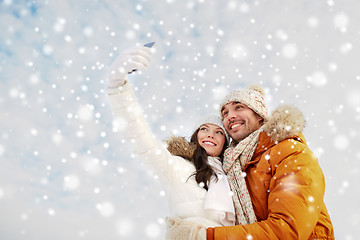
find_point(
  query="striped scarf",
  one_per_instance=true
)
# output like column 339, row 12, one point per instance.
column 235, row 160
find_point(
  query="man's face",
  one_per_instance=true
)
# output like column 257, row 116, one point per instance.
column 239, row 120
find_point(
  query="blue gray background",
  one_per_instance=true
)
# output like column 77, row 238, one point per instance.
column 66, row 174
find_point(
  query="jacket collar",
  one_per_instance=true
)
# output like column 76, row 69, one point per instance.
column 285, row 122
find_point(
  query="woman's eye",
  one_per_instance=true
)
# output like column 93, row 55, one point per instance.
column 220, row 132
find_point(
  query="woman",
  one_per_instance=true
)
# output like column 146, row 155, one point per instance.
column 192, row 171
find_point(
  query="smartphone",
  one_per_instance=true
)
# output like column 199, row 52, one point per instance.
column 149, row 45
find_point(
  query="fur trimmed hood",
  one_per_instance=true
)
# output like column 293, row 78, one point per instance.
column 284, row 122
column 180, row 146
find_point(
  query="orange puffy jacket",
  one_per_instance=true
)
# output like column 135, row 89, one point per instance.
column 286, row 185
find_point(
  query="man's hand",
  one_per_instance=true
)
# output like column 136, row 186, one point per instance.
column 137, row 58
column 180, row 229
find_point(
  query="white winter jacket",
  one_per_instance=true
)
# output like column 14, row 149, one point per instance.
column 186, row 197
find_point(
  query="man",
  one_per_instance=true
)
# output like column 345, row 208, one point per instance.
column 283, row 177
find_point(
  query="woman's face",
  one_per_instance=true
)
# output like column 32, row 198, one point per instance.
column 212, row 138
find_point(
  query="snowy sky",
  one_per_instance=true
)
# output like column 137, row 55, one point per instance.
column 65, row 174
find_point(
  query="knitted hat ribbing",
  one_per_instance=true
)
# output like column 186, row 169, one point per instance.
column 212, row 119
column 252, row 97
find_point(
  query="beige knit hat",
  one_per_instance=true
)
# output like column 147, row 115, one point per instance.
column 253, row 96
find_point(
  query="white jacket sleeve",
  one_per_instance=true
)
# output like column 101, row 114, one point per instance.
column 130, row 121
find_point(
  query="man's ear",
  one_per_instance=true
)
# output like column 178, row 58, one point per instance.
column 260, row 119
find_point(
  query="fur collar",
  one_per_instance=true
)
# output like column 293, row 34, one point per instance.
column 285, row 121
column 179, row 146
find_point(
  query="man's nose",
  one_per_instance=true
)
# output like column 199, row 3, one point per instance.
column 231, row 115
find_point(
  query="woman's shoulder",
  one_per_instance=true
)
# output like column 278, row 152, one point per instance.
column 181, row 163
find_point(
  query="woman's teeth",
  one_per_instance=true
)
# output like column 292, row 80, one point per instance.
column 209, row 143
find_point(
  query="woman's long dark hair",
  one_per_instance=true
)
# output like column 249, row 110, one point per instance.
column 203, row 171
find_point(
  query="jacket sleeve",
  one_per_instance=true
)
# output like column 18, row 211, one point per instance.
column 130, row 121
column 294, row 202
